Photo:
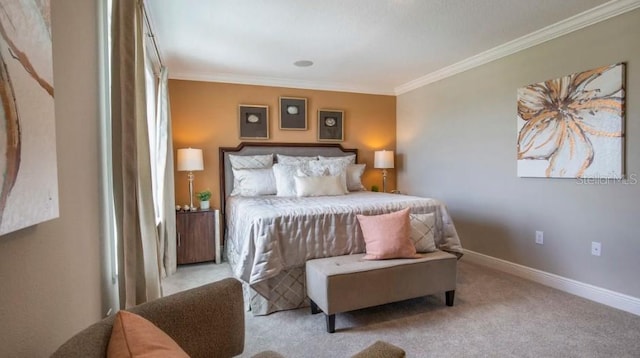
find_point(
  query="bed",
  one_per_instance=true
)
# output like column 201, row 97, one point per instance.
column 269, row 238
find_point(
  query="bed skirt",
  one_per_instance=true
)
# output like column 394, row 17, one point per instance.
column 286, row 291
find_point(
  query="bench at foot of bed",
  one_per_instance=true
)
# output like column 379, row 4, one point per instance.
column 346, row 283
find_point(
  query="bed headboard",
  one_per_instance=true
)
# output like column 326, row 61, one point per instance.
column 253, row 148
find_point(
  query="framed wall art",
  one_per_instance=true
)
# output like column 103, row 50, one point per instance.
column 573, row 126
column 29, row 181
column 330, row 125
column 293, row 113
column 254, row 121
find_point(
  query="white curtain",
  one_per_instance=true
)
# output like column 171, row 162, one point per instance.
column 164, row 169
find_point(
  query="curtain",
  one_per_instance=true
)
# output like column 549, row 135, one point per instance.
column 135, row 225
column 164, row 167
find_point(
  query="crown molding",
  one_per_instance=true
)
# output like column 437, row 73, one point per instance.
column 571, row 24
column 279, row 82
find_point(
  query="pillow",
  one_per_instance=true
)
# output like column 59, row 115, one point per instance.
column 291, row 159
column 354, row 177
column 134, row 336
column 251, row 161
column 350, row 159
column 253, row 182
column 284, row 173
column 386, row 236
column 328, row 167
column 422, row 228
column 248, row 162
column 330, row 185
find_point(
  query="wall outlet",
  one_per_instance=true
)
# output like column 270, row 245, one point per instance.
column 539, row 237
column 596, row 248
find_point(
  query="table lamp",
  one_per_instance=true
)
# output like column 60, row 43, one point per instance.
column 190, row 160
column 383, row 160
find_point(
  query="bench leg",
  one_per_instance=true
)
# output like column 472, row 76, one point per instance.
column 331, row 322
column 449, row 296
column 314, row 307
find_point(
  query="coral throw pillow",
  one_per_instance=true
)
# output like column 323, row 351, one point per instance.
column 387, row 236
column 134, row 336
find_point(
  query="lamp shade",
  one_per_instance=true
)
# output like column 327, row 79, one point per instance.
column 190, row 159
column 383, row 159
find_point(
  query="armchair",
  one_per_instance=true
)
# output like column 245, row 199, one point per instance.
column 206, row 321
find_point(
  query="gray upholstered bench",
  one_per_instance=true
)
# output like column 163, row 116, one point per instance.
column 347, row 283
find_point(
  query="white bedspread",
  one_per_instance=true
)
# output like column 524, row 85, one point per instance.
column 267, row 235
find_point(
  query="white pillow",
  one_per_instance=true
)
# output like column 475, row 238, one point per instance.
column 330, row 185
column 329, row 167
column 284, row 173
column 350, row 159
column 354, row 177
column 422, row 229
column 251, row 161
column 248, row 162
column 253, row 182
column 290, row 159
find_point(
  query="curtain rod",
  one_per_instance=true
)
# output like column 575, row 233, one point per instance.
column 150, row 33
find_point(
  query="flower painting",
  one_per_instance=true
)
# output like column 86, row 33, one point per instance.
column 572, row 127
column 29, row 180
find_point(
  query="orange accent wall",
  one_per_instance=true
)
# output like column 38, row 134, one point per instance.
column 205, row 116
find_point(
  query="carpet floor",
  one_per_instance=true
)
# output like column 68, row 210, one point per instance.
column 495, row 315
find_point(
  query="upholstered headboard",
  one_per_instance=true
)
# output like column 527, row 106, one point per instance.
column 254, row 148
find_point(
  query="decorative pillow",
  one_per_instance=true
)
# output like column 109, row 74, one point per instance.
column 422, row 231
column 251, row 161
column 134, row 336
column 386, row 236
column 254, row 182
column 354, row 177
column 291, row 159
column 329, row 185
column 303, row 171
column 284, row 174
column 350, row 159
column 328, row 167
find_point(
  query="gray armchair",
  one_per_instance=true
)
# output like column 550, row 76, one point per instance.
column 207, row 321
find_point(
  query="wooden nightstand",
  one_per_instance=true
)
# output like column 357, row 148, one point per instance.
column 198, row 236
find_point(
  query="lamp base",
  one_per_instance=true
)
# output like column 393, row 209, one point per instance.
column 190, row 178
column 384, row 180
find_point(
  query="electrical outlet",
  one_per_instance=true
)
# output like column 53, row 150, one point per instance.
column 539, row 237
column 596, row 248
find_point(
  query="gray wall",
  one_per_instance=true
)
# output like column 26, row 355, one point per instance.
column 457, row 142
column 50, row 281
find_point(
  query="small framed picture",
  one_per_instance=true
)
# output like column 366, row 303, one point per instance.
column 330, row 125
column 254, row 121
column 293, row 113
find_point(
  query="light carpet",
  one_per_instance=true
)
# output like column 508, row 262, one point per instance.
column 495, row 315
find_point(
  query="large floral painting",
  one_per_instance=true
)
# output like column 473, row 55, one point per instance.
column 573, row 126
column 29, row 181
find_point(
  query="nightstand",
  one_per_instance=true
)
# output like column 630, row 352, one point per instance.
column 198, row 236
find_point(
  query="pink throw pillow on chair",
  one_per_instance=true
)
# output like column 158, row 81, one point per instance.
column 387, row 236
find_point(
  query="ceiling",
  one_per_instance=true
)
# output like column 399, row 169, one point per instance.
column 369, row 46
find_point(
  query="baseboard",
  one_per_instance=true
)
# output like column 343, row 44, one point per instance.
column 607, row 297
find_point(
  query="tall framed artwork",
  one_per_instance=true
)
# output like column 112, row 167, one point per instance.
column 29, row 186
column 573, row 126
column 253, row 121
column 330, row 125
column 293, row 113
